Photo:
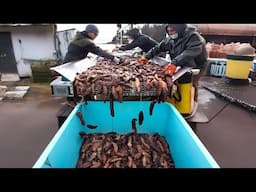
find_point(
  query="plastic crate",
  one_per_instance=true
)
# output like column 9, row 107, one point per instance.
column 217, row 67
column 62, row 88
column 254, row 65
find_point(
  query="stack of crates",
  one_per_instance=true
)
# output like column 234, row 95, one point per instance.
column 252, row 73
column 217, row 67
column 254, row 65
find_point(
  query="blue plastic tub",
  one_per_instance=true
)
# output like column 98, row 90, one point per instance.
column 186, row 149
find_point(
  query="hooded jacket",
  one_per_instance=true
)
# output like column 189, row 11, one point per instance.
column 81, row 45
column 187, row 50
column 139, row 40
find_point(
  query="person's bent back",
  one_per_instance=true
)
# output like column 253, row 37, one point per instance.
column 138, row 40
column 83, row 43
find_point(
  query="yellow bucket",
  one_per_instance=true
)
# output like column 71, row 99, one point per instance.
column 184, row 104
column 238, row 66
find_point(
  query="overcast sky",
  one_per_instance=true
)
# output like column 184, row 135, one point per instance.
column 106, row 31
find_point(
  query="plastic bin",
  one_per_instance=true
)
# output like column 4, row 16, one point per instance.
column 186, row 148
column 238, row 66
column 184, row 96
column 61, row 88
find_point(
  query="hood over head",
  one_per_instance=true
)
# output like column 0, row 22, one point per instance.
column 179, row 28
column 133, row 33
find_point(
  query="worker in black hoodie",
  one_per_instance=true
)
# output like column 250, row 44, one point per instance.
column 83, row 43
column 186, row 48
column 138, row 40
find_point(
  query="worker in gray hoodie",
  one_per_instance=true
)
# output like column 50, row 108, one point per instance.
column 186, row 48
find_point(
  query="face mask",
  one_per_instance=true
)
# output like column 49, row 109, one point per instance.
column 174, row 36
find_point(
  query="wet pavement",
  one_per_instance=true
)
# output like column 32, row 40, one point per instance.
column 230, row 134
column 27, row 126
column 232, row 90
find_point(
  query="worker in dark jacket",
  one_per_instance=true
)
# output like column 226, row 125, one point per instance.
column 186, row 48
column 138, row 40
column 83, row 44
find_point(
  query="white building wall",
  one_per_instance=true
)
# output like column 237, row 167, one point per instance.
column 31, row 42
column 65, row 37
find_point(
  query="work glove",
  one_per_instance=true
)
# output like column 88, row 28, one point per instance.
column 142, row 60
column 170, row 69
column 117, row 60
